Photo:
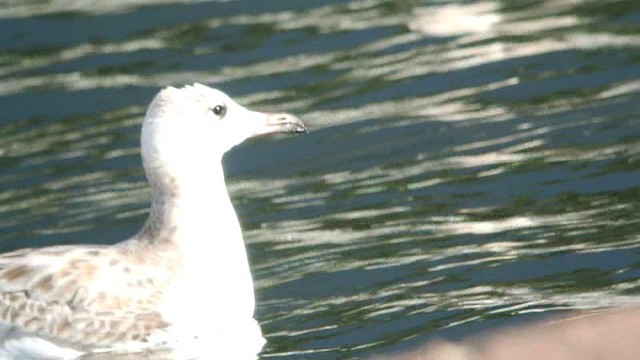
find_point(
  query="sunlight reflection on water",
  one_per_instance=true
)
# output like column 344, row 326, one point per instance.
column 467, row 163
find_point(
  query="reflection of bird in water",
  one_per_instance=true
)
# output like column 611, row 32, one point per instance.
column 182, row 280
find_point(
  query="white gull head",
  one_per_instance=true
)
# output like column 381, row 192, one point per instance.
column 197, row 125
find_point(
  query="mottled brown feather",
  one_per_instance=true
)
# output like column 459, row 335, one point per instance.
column 58, row 294
column 15, row 272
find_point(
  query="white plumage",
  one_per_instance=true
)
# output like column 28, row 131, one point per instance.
column 183, row 281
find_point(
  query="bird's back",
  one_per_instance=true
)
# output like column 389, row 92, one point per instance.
column 79, row 297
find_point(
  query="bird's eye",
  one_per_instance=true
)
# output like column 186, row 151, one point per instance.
column 219, row 110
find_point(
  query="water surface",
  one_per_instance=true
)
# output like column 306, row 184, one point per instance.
column 470, row 165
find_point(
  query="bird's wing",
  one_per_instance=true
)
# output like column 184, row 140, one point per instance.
column 89, row 295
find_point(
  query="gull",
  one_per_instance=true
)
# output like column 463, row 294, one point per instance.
column 183, row 279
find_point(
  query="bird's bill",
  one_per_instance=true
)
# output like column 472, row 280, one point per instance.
column 268, row 123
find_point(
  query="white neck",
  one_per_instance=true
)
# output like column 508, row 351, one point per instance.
column 195, row 216
column 195, row 204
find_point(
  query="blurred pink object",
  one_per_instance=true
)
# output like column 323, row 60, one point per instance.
column 587, row 335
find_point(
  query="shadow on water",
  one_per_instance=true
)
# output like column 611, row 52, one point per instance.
column 470, row 165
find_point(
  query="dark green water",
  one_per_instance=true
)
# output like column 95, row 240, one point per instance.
column 470, row 165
